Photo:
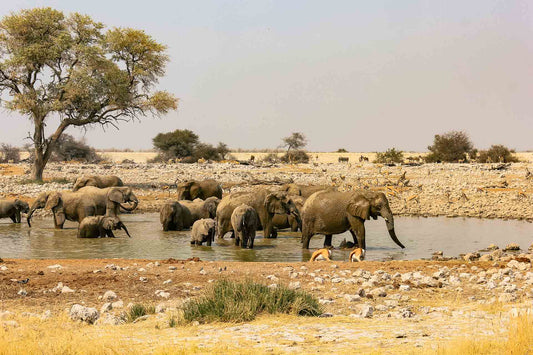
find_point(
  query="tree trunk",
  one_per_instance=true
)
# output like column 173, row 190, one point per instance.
column 37, row 170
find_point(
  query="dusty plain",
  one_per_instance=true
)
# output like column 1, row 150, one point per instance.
column 454, row 306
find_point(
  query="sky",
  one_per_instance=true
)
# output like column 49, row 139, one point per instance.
column 358, row 75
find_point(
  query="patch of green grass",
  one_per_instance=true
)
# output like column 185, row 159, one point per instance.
column 229, row 301
column 138, row 310
column 172, row 322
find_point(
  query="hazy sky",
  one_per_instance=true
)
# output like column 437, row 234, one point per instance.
column 360, row 75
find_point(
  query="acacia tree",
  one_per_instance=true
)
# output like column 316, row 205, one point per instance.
column 295, row 141
column 69, row 67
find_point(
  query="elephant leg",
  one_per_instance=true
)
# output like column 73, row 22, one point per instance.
column 358, row 226
column 327, row 240
column 110, row 234
column 252, row 242
column 17, row 217
column 59, row 220
column 355, row 241
column 13, row 218
column 306, row 237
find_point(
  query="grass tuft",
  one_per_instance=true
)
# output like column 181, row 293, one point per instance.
column 229, row 301
column 139, row 310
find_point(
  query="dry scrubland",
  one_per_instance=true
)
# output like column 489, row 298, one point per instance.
column 445, row 307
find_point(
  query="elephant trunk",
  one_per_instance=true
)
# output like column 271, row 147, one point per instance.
column 129, row 209
column 389, row 220
column 125, row 229
column 28, row 218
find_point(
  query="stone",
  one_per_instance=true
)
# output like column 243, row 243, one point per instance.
column 378, row 292
column 166, row 282
column 22, row 292
column 143, row 279
column 294, row 285
column 272, row 278
column 106, row 307
column 162, row 294
column 66, row 289
column 273, row 286
column 84, row 314
column 109, row 319
column 172, row 267
column 471, row 256
column 319, row 280
column 323, row 315
column 365, row 310
column 117, row 304
column 405, row 288
column 493, row 247
column 55, row 267
column 486, row 257
column 10, row 324
column 506, row 297
column 109, row 296
column 160, row 308
column 512, row 246
column 352, row 298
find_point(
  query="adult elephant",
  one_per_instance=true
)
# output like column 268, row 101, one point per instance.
column 193, row 189
column 88, row 201
column 180, row 215
column 174, row 217
column 265, row 203
column 100, row 227
column 100, row 181
column 332, row 212
column 304, row 190
column 283, row 221
column 12, row 209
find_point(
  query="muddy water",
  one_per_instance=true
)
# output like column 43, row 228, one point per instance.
column 421, row 236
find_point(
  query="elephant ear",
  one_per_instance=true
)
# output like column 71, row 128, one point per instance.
column 54, row 199
column 108, row 223
column 210, row 206
column 116, row 195
column 204, row 227
column 359, row 207
column 270, row 201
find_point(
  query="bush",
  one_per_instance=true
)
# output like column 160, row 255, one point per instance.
column 230, row 301
column 389, row 156
column 139, row 310
column 295, row 156
column 271, row 158
column 497, row 154
column 9, row 153
column 451, row 147
column 67, row 148
column 342, row 150
column 185, row 145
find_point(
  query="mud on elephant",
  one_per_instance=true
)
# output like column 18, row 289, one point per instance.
column 100, row 181
column 333, row 212
column 245, row 223
column 203, row 230
column 193, row 189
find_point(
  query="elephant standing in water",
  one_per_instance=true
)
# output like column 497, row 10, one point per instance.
column 88, row 201
column 180, row 215
column 12, row 209
column 100, row 181
column 193, row 189
column 203, row 230
column 265, row 203
column 100, row 227
column 304, row 190
column 332, row 212
column 282, row 221
column 245, row 222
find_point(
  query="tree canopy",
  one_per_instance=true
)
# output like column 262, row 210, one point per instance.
column 70, row 67
column 184, row 143
column 450, row 147
column 295, row 141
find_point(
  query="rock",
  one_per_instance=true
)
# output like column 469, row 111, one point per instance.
column 3, row 268
column 141, row 319
column 66, row 289
column 117, row 304
column 172, row 267
column 160, row 308
column 143, row 279
column 106, row 307
column 110, row 319
column 319, row 280
column 109, row 296
column 405, row 288
column 166, row 282
column 273, row 278
column 493, row 247
column 365, row 310
column 273, row 286
column 325, row 301
column 324, row 315
column 512, row 246
column 294, row 285
column 336, row 280
column 163, row 294
column 55, row 267
column 84, row 314
column 405, row 313
column 486, row 257
column 352, row 298
column 10, row 324
column 203, row 272
column 22, row 292
column 6, row 314
column 378, row 292
column 471, row 256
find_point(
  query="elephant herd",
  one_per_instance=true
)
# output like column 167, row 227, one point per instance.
column 96, row 201
column 310, row 209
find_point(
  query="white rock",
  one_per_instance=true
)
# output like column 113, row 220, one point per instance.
column 166, row 282
column 365, row 310
column 319, row 280
column 55, row 267
column 84, row 314
column 405, row 288
column 117, row 304
column 66, row 289
column 294, row 285
column 352, row 298
column 22, row 292
column 109, row 296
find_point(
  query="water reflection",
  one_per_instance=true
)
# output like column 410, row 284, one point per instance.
column 421, row 236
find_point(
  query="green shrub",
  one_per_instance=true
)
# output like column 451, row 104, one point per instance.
column 497, row 154
column 342, row 150
column 450, row 147
column 184, row 144
column 230, row 301
column 389, row 156
column 139, row 310
column 295, row 156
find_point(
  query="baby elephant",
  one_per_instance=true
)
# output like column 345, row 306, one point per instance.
column 203, row 230
column 12, row 209
column 245, row 222
column 100, row 227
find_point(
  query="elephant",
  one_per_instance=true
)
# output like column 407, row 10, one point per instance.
column 88, row 201
column 265, row 203
column 332, row 212
column 12, row 209
column 193, row 189
column 100, row 181
column 200, row 209
column 100, row 227
column 303, row 190
column 203, row 230
column 245, row 223
column 283, row 221
column 174, row 217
